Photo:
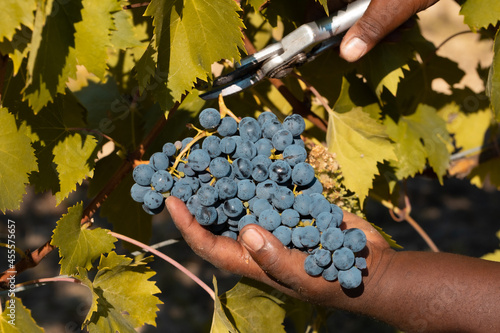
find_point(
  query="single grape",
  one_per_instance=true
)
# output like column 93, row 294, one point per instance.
column 324, row 220
column 264, row 116
column 295, row 124
column 319, row 204
column 246, row 189
column 264, row 147
column 212, row 146
column 182, row 191
column 354, row 239
column 206, row 215
column 162, row 181
column 204, row 176
column 220, row 167
column 247, row 219
column 169, row 149
column 282, row 139
column 314, row 187
column 186, row 169
column 351, row 278
column 284, row 234
column 159, row 161
column 228, row 126
column 208, row 195
column 242, row 168
column 199, row 160
column 294, row 154
column 228, row 145
column 142, row 174
column 296, row 235
column 246, row 149
column 233, row 207
column 280, row 171
column 153, row 199
column 338, row 214
column 302, row 204
column 360, row 263
column 262, row 160
column 266, row 189
column 343, row 258
column 323, row 257
column 231, row 234
column 227, row 188
column 192, row 204
column 311, row 267
column 193, row 182
column 330, row 273
column 250, row 129
column 137, row 192
column 269, row 219
column 261, row 205
column 270, row 127
column 332, row 238
column 209, row 118
column 290, row 218
column 310, row 236
column 282, row 198
column 221, row 216
column 260, row 173
column 302, row 174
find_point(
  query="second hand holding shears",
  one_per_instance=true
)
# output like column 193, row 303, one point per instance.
column 298, row 47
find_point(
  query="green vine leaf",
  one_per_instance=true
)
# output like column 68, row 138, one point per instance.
column 72, row 156
column 22, row 321
column 50, row 62
column 15, row 13
column 420, row 137
column 480, row 13
column 220, row 322
column 79, row 246
column 493, row 83
column 190, row 36
column 17, row 160
column 359, row 142
column 122, row 295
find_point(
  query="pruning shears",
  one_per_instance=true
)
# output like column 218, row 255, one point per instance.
column 298, row 47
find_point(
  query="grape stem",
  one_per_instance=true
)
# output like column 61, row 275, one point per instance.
column 167, row 259
column 40, row 282
column 224, row 110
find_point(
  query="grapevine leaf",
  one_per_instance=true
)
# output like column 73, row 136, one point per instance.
column 71, row 157
column 126, row 33
column 123, row 296
column 50, row 61
column 92, row 36
column 359, row 142
column 480, row 13
column 18, row 48
column 190, row 36
column 16, row 318
column 145, row 69
column 487, row 172
column 467, row 129
column 420, row 136
column 17, row 160
column 14, row 14
column 220, row 322
column 493, row 83
column 78, row 246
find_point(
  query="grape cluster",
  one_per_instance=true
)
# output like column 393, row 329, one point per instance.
column 238, row 172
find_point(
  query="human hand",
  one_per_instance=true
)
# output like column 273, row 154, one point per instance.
column 259, row 255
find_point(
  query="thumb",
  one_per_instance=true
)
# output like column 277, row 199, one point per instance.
column 276, row 260
column 381, row 18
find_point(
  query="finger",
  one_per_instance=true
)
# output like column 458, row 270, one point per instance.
column 223, row 252
column 381, row 17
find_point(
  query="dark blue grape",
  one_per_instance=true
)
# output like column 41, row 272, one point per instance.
column 246, row 149
column 162, row 181
column 233, row 207
column 360, row 263
column 323, row 257
column 319, row 204
column 209, row 118
column 260, row 173
column 350, row 278
column 264, row 116
column 186, row 141
column 290, row 218
column 212, row 146
column 246, row 189
column 199, row 160
column 247, row 219
column 137, row 192
column 192, row 204
column 266, row 189
column 310, row 236
column 296, row 234
column 332, row 239
column 182, row 191
column 325, row 220
column 206, row 215
column 242, row 168
column 159, row 161
column 186, row 169
column 231, row 234
column 153, row 211
column 295, row 124
column 264, row 147
column 294, row 154
column 284, row 234
column 354, row 239
column 208, row 195
column 204, row 176
column 193, row 182
column 220, row 167
column 302, row 174
column 142, row 174
column 228, row 145
column 280, row 171
column 330, row 273
column 302, row 204
column 311, row 267
column 261, row 205
column 153, row 199
column 250, row 129
column 269, row 219
column 228, row 126
column 282, row 198
column 270, row 127
column 338, row 214
column 314, row 187
column 262, row 160
column 169, row 149
column 221, row 216
column 343, row 258
column 227, row 188
column 282, row 139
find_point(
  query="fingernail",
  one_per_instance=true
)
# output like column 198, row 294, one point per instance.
column 253, row 240
column 354, row 49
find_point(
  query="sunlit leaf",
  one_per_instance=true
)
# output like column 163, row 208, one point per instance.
column 17, row 160
column 493, row 83
column 79, row 246
column 16, row 318
column 15, row 13
column 480, row 13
